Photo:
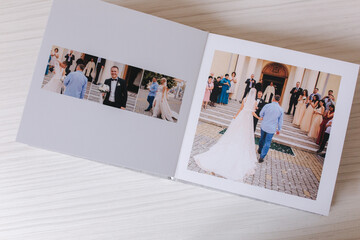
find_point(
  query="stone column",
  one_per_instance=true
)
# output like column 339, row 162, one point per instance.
column 322, row 83
column 245, row 67
column 251, row 67
column 258, row 69
column 240, row 69
column 310, row 79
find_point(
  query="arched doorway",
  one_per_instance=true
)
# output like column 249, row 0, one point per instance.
column 276, row 73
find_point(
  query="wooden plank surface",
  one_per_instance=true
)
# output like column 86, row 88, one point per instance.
column 44, row 195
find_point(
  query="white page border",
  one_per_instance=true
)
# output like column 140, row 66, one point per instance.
column 348, row 73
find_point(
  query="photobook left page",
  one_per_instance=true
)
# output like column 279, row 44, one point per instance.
column 113, row 85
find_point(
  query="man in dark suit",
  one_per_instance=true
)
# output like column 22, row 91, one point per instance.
column 250, row 83
column 295, row 94
column 259, row 86
column 69, row 58
column 100, row 63
column 117, row 95
column 260, row 104
column 215, row 92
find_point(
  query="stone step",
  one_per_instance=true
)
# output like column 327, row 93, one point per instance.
column 285, row 134
column 221, row 110
column 94, row 99
column 276, row 138
column 289, row 138
column 222, row 121
column 234, row 108
column 226, row 119
column 222, row 116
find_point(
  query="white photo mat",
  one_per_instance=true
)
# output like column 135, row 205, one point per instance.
column 348, row 73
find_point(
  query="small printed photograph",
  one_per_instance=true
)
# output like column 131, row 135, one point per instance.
column 265, row 123
column 92, row 78
column 117, row 86
column 160, row 96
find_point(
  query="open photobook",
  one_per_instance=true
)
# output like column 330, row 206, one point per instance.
column 137, row 91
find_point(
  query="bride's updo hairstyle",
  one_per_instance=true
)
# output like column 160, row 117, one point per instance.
column 163, row 80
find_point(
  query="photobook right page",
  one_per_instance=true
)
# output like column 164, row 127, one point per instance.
column 268, row 123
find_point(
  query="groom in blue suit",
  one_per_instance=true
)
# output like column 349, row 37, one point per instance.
column 272, row 122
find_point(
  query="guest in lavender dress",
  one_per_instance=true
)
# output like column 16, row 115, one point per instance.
column 209, row 88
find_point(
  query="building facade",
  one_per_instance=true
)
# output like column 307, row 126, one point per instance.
column 283, row 76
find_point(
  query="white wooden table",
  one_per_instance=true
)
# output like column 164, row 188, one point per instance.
column 44, row 195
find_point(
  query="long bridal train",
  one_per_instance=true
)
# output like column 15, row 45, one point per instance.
column 161, row 106
column 55, row 84
column 233, row 156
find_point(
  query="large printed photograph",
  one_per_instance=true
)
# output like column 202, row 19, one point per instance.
column 84, row 76
column 265, row 124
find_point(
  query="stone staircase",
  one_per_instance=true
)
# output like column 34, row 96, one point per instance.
column 292, row 136
column 93, row 94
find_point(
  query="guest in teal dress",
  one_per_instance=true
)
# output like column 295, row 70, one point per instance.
column 226, row 84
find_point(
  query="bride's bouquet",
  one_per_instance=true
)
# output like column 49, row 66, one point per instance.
column 104, row 88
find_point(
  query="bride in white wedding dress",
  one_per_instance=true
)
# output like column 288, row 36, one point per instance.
column 56, row 82
column 161, row 106
column 233, row 156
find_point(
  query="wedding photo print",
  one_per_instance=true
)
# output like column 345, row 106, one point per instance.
column 84, row 76
column 160, row 96
column 265, row 123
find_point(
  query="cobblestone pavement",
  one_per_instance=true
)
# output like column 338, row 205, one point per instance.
column 296, row 175
column 142, row 103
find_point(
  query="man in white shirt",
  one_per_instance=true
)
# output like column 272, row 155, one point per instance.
column 269, row 93
column 117, row 95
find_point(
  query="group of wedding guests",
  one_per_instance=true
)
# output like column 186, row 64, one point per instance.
column 313, row 114
column 91, row 69
column 220, row 89
column 157, row 99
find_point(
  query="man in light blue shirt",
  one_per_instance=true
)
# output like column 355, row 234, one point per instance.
column 272, row 122
column 152, row 93
column 76, row 83
column 315, row 92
